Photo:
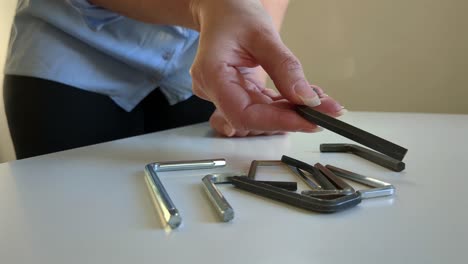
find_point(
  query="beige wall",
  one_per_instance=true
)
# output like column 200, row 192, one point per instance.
column 371, row 55
column 378, row 55
column 7, row 8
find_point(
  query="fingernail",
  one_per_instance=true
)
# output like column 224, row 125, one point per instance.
column 342, row 112
column 313, row 130
column 307, row 94
column 228, row 130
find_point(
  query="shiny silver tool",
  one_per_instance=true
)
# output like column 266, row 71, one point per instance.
column 380, row 188
column 161, row 198
column 223, row 208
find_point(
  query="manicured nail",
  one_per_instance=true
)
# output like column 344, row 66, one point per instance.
column 313, row 130
column 228, row 130
column 307, row 94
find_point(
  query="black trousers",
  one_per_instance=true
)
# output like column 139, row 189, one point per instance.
column 46, row 116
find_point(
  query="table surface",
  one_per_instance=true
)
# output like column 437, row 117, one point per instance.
column 91, row 205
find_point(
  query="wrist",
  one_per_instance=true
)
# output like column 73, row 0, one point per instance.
column 194, row 9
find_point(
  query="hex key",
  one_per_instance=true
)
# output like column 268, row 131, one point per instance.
column 223, row 208
column 292, row 186
column 372, row 141
column 161, row 198
column 339, row 183
column 307, row 180
column 257, row 163
column 372, row 156
column 380, row 188
column 322, row 181
column 295, row 199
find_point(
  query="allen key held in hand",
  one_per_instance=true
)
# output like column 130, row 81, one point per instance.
column 161, row 198
column 372, row 156
column 302, row 201
column 380, row 188
column 372, row 141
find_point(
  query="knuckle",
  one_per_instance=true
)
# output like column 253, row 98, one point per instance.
column 290, row 63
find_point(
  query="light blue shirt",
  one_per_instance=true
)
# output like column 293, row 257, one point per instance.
column 94, row 49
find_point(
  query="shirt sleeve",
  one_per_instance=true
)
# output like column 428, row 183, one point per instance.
column 94, row 16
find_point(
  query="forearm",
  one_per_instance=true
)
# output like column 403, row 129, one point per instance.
column 169, row 12
column 277, row 10
column 178, row 12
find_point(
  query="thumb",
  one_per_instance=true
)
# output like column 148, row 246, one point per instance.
column 284, row 69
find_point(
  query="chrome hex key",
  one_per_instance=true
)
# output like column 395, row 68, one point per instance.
column 223, row 208
column 356, row 134
column 372, row 156
column 302, row 201
column 161, row 198
column 380, row 188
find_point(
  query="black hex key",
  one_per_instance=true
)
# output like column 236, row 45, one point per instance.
column 295, row 199
column 372, row 141
column 372, row 156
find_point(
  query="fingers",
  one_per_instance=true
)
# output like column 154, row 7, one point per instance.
column 219, row 124
column 218, row 121
column 284, row 69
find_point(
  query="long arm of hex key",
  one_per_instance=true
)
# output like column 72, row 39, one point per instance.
column 168, row 210
column 380, row 188
column 372, row 141
column 295, row 199
column 372, row 156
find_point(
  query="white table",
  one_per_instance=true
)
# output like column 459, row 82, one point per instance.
column 91, row 205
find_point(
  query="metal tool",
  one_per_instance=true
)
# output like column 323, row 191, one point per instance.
column 339, row 183
column 372, row 156
column 223, row 208
column 291, row 186
column 295, row 199
column 161, row 198
column 372, row 141
column 300, row 166
column 257, row 163
column 380, row 188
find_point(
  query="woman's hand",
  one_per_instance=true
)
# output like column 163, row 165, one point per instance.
column 237, row 40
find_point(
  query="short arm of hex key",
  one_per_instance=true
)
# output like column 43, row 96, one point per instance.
column 380, row 188
column 295, row 199
column 223, row 208
column 168, row 210
column 372, row 141
column 322, row 181
column 372, row 156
